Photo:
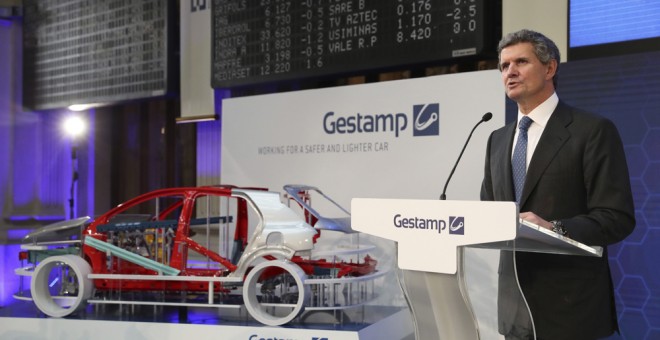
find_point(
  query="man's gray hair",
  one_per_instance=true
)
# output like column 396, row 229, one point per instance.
column 544, row 48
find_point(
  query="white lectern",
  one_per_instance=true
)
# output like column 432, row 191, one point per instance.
column 431, row 236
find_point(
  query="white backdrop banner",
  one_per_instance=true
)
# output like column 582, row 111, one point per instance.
column 396, row 139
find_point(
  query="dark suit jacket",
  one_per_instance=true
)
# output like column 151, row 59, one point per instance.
column 578, row 174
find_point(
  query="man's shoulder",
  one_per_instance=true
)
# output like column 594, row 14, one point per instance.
column 579, row 115
column 583, row 122
column 504, row 129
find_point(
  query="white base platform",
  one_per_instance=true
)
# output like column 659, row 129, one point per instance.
column 394, row 326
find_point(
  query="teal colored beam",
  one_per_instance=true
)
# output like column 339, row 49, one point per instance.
column 131, row 257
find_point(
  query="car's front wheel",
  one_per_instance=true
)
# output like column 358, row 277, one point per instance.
column 60, row 285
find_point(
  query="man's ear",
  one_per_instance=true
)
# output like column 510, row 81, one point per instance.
column 551, row 69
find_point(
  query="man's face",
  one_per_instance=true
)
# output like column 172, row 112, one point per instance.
column 526, row 80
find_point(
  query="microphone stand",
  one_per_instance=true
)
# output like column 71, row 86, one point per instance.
column 485, row 118
column 74, row 179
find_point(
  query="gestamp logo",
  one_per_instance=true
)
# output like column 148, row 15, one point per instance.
column 259, row 337
column 427, row 119
column 364, row 123
column 457, row 225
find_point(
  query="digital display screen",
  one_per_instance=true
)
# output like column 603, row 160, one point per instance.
column 259, row 41
column 81, row 52
column 595, row 22
column 612, row 27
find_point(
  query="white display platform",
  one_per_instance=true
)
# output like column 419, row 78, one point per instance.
column 397, row 325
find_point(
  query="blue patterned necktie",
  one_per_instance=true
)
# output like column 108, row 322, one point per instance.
column 519, row 159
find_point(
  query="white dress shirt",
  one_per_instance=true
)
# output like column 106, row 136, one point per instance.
column 540, row 116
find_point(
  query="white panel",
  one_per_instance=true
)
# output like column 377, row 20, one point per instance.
column 273, row 140
column 196, row 91
column 428, row 232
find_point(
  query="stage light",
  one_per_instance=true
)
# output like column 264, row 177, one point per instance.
column 74, row 126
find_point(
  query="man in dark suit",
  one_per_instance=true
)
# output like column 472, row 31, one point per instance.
column 573, row 180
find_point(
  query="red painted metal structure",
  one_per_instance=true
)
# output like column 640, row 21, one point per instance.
column 182, row 243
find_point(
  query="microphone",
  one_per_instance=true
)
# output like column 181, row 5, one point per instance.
column 486, row 117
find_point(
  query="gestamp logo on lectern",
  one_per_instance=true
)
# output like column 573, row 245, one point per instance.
column 457, row 225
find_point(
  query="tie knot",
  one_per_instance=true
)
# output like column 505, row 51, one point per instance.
column 525, row 122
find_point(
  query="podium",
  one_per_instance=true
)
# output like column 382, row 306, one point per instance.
column 432, row 237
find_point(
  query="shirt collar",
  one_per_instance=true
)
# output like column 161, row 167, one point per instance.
column 541, row 114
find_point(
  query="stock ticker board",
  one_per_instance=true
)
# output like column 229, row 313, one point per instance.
column 81, row 51
column 261, row 41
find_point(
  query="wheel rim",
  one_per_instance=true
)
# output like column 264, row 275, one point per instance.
column 283, row 297
column 60, row 285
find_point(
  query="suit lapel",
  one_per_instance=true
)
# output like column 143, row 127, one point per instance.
column 553, row 138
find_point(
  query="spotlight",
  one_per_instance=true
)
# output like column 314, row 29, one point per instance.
column 74, row 126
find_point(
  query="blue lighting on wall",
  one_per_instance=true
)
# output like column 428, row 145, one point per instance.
column 10, row 281
column 208, row 142
column 17, row 234
column 40, row 180
column 25, row 182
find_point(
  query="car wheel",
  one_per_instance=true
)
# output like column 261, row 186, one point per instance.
column 274, row 292
column 60, row 285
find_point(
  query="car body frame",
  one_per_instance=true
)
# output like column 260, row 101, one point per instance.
column 172, row 247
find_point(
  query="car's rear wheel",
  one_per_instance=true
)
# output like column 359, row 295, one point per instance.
column 60, row 285
column 274, row 292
